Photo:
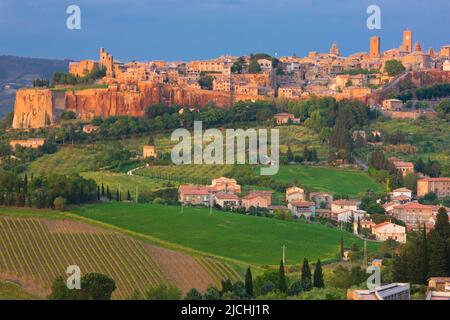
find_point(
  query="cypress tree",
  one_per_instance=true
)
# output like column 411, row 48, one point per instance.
column 25, row 184
column 128, row 195
column 117, row 196
column 282, row 285
column 249, row 283
column 103, row 190
column 438, row 241
column 342, row 247
column 306, row 275
column 424, row 255
column 318, row 275
column 98, row 193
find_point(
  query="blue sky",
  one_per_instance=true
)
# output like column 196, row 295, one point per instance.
column 198, row 29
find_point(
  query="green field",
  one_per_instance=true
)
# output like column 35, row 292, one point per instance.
column 333, row 180
column 245, row 238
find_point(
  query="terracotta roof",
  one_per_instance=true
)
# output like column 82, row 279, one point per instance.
column 299, row 203
column 382, row 224
column 263, row 193
column 402, row 190
column 226, row 196
column 403, row 164
column 194, row 190
column 401, row 197
column 416, row 205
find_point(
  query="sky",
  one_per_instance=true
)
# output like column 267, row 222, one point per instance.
column 201, row 29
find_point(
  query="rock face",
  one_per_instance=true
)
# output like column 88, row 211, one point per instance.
column 36, row 108
column 33, row 108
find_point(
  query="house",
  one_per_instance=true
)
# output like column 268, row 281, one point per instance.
column 323, row 213
column 295, row 193
column 223, row 200
column 32, row 143
column 438, row 288
column 226, row 185
column 393, row 291
column 89, row 128
column 265, row 64
column 377, row 263
column 392, row 104
column 284, row 118
column 388, row 230
column 322, row 199
column 195, row 195
column 389, row 207
column 149, row 152
column 342, row 204
column 255, row 200
column 350, row 215
column 440, row 186
column 303, row 208
column 402, row 192
column 414, row 214
column 403, row 166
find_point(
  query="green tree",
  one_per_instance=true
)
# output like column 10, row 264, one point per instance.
column 96, row 286
column 61, row 292
column 306, row 275
column 438, row 246
column 163, row 292
column 59, row 203
column 289, row 154
column 249, row 283
column 282, row 284
column 394, row 67
column 318, row 276
column 193, row 294
column 254, row 67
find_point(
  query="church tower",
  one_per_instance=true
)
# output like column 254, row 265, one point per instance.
column 375, row 47
column 334, row 49
column 407, row 40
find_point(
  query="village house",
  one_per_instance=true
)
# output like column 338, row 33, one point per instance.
column 226, row 185
column 440, row 186
column 149, row 152
column 285, row 118
column 402, row 192
column 345, row 216
column 388, row 230
column 403, row 166
column 414, row 214
column 195, row 195
column 303, row 208
column 342, row 204
column 289, row 92
column 223, row 200
column 32, row 143
column 295, row 193
column 323, row 200
column 257, row 199
column 392, row 105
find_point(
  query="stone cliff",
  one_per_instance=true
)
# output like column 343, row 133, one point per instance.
column 35, row 108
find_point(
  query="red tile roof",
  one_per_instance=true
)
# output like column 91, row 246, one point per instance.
column 300, row 203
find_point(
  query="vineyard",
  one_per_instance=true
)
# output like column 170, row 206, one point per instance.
column 40, row 250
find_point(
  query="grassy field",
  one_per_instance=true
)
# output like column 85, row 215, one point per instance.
column 245, row 238
column 12, row 291
column 333, row 180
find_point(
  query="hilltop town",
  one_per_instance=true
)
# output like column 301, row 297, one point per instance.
column 107, row 87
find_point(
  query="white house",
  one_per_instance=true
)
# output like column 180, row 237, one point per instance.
column 389, row 230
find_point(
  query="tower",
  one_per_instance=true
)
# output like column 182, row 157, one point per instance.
column 407, row 40
column 417, row 47
column 334, row 49
column 375, row 47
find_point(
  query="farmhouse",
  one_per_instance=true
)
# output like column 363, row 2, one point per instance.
column 226, row 200
column 295, row 193
column 402, row 192
column 393, row 291
column 226, row 185
column 388, row 230
column 257, row 199
column 440, row 186
column 284, row 118
column 302, row 208
column 351, row 215
column 338, row 206
column 414, row 214
column 33, row 143
column 321, row 199
column 195, row 195
column 403, row 166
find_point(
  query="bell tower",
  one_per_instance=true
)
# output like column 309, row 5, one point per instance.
column 375, row 47
column 407, row 41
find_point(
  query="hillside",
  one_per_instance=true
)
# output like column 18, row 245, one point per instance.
column 18, row 72
column 37, row 250
column 245, row 238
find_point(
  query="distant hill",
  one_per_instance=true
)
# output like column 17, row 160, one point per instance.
column 18, row 72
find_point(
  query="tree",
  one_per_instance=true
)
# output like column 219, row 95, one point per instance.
column 439, row 246
column 282, row 284
column 212, row 294
column 163, row 292
column 254, row 67
column 289, row 154
column 59, row 203
column 318, row 275
column 394, row 67
column 306, row 275
column 341, row 245
column 60, row 291
column 249, row 283
column 96, row 286
column 193, row 294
